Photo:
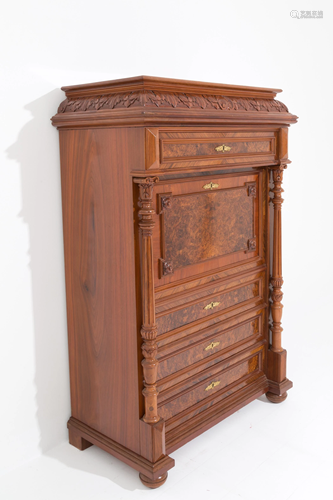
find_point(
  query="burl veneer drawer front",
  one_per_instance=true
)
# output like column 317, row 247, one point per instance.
column 181, row 149
column 196, row 349
column 208, row 384
column 206, row 223
column 212, row 301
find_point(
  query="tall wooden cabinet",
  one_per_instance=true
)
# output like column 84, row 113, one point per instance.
column 172, row 197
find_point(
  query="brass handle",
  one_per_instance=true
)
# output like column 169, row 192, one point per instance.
column 212, row 385
column 223, row 148
column 212, row 345
column 210, row 185
column 211, row 305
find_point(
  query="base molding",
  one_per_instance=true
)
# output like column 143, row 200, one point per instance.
column 152, row 471
column 192, row 428
column 279, row 388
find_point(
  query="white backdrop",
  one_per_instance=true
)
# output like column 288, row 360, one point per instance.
column 46, row 45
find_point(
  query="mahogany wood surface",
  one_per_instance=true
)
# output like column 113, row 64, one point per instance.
column 98, row 306
column 173, row 260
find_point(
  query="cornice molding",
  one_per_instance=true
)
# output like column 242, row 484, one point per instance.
column 150, row 99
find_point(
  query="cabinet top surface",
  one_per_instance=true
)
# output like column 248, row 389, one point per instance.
column 152, row 83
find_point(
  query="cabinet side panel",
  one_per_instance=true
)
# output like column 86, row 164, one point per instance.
column 100, row 279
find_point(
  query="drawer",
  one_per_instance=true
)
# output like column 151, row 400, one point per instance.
column 212, row 301
column 195, row 349
column 210, row 383
column 178, row 148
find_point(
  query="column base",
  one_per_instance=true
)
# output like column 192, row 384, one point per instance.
column 274, row 398
column 277, row 391
column 153, row 483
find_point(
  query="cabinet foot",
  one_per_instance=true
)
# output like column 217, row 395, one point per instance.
column 153, row 483
column 274, row 398
column 76, row 440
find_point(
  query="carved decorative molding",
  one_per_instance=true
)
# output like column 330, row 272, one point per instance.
column 146, row 189
column 276, row 295
column 277, row 190
column 252, row 190
column 217, row 102
column 276, row 282
column 165, row 202
column 252, row 244
column 165, row 267
column 171, row 100
column 109, row 101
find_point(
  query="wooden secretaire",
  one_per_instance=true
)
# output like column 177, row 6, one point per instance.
column 172, row 197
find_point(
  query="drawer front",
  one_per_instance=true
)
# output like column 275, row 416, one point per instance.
column 206, row 224
column 179, row 149
column 180, row 355
column 196, row 148
column 209, row 384
column 212, row 303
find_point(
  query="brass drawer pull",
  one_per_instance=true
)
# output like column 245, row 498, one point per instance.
column 223, row 148
column 211, row 305
column 210, row 185
column 212, row 345
column 212, row 385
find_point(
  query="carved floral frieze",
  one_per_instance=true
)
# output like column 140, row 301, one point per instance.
column 170, row 100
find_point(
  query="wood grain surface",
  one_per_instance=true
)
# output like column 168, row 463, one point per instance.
column 100, row 284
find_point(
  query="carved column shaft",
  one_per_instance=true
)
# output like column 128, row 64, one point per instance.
column 148, row 329
column 276, row 278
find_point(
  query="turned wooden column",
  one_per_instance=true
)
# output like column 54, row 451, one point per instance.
column 276, row 278
column 152, row 427
column 279, row 384
column 148, row 329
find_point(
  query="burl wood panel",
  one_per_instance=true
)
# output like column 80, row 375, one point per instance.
column 198, row 148
column 207, row 385
column 204, row 348
column 192, row 234
column 202, row 226
column 186, row 315
column 100, row 280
